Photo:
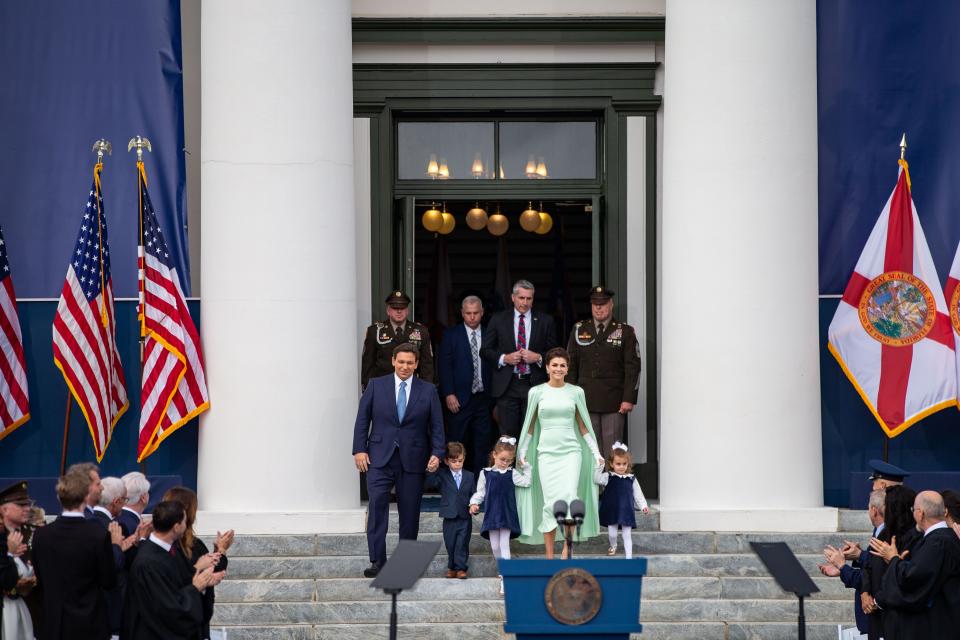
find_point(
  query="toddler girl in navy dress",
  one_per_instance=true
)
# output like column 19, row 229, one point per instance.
column 619, row 499
column 497, row 487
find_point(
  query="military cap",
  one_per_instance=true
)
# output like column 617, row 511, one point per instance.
column 886, row 471
column 600, row 294
column 17, row 492
column 398, row 299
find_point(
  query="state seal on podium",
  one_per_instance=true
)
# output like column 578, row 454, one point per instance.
column 573, row 596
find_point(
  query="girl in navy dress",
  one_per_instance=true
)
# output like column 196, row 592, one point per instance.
column 497, row 487
column 620, row 497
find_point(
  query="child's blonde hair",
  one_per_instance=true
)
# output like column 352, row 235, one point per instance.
column 619, row 452
column 502, row 445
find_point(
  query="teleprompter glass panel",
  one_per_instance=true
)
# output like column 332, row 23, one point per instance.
column 445, row 150
column 548, row 150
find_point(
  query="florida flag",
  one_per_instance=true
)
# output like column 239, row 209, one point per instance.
column 892, row 333
column 952, row 291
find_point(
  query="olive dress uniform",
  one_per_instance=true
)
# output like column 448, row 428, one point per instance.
column 382, row 337
column 606, row 363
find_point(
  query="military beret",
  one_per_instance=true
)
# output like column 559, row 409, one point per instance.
column 398, row 299
column 886, row 471
column 17, row 492
column 600, row 294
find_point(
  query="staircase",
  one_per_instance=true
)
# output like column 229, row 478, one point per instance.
column 699, row 586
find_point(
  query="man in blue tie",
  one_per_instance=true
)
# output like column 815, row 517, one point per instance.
column 397, row 437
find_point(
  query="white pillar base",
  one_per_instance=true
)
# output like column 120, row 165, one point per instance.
column 282, row 523
column 818, row 519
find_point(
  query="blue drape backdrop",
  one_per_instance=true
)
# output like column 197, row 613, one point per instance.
column 884, row 67
column 70, row 73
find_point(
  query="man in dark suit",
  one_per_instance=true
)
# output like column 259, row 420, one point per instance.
column 74, row 566
column 465, row 384
column 164, row 593
column 456, row 485
column 513, row 345
column 398, row 436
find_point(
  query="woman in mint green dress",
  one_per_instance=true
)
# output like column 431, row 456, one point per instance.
column 563, row 455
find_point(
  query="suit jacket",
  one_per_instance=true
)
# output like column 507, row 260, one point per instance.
column 378, row 430
column 162, row 603
column 73, row 561
column 115, row 595
column 455, row 365
column 128, row 522
column 498, row 339
column 454, row 503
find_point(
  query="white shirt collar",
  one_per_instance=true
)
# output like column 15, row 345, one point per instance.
column 934, row 527
column 72, row 514
column 160, row 543
column 498, row 470
column 517, row 314
column 103, row 510
column 396, row 385
column 470, row 331
column 621, row 475
column 879, row 528
column 139, row 517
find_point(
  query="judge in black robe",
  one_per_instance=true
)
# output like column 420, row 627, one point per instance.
column 162, row 602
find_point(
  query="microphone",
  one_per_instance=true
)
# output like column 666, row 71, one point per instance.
column 577, row 510
column 560, row 510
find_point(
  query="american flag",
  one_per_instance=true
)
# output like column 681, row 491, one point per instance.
column 15, row 405
column 84, row 329
column 173, row 385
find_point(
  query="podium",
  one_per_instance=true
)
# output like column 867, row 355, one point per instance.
column 582, row 598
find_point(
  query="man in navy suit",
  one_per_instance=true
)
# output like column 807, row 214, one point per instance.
column 398, row 436
column 465, row 384
column 513, row 345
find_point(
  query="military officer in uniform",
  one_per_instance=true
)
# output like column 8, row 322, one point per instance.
column 605, row 361
column 15, row 504
column 382, row 337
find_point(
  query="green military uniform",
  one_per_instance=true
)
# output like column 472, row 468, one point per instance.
column 606, row 363
column 382, row 337
column 17, row 493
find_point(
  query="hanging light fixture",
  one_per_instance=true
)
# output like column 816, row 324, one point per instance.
column 449, row 222
column 531, row 169
column 477, row 218
column 498, row 223
column 477, row 168
column 432, row 219
column 541, row 168
column 530, row 218
column 433, row 169
column 443, row 169
column 546, row 222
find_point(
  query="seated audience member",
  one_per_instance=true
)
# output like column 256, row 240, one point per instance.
column 951, row 502
column 194, row 551
column 852, row 575
column 92, row 471
column 164, row 595
column 923, row 585
column 15, row 620
column 74, row 567
column 898, row 524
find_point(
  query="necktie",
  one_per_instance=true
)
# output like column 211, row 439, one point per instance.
column 398, row 331
column 456, row 478
column 522, row 368
column 477, row 385
column 600, row 329
column 402, row 400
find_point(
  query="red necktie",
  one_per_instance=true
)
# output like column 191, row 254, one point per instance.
column 522, row 368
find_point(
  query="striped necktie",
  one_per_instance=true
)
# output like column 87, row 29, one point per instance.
column 477, row 385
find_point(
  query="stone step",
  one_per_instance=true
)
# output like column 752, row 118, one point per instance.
column 479, row 588
column 645, row 542
column 486, row 610
column 494, row 631
column 667, row 565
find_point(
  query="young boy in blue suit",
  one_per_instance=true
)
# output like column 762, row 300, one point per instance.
column 456, row 485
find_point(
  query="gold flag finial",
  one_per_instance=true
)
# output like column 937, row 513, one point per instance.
column 102, row 146
column 903, row 146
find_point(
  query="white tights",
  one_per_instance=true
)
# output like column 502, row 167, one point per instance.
column 627, row 539
column 500, row 543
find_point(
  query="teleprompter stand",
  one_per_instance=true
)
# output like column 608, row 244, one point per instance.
column 786, row 570
column 405, row 566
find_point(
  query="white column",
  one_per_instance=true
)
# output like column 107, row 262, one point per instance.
column 740, row 447
column 278, row 267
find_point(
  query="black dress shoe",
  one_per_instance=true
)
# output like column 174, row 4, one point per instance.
column 372, row 570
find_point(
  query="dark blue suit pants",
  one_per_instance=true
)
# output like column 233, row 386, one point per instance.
column 456, row 537
column 409, row 492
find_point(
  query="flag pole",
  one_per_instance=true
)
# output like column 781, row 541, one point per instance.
column 101, row 146
column 903, row 162
column 140, row 143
